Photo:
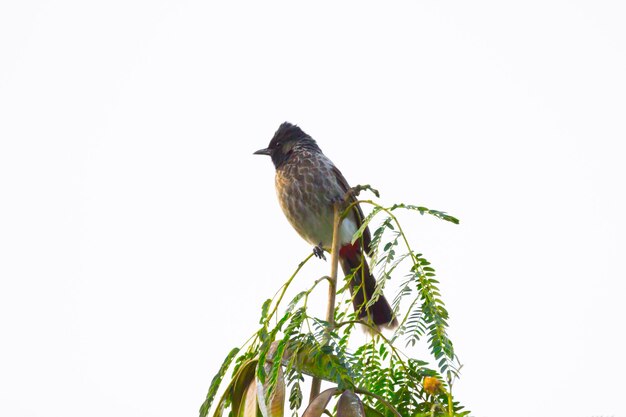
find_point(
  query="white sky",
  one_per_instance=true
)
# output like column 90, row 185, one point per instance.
column 139, row 236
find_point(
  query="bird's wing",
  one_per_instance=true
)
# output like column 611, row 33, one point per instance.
column 358, row 213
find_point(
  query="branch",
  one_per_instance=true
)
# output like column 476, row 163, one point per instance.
column 332, row 293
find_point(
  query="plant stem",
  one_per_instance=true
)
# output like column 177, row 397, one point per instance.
column 332, row 293
column 379, row 398
column 286, row 285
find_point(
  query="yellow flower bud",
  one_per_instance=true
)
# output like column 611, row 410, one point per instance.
column 431, row 385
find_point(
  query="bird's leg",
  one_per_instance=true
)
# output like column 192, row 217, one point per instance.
column 319, row 251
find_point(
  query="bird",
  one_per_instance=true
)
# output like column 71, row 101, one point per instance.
column 308, row 185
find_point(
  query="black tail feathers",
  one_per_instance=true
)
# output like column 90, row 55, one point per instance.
column 380, row 312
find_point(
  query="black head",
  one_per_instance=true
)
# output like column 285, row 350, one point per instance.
column 287, row 139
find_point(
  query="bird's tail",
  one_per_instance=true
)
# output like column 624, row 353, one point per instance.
column 362, row 288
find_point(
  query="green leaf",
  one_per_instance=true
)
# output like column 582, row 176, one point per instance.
column 364, row 224
column 215, row 383
column 372, row 412
column 264, row 310
column 318, row 361
column 274, row 406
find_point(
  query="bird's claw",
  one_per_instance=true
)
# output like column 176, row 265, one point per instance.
column 319, row 252
column 338, row 200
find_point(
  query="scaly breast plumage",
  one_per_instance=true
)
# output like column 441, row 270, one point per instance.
column 305, row 194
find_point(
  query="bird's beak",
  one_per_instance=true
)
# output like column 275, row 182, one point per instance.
column 266, row 151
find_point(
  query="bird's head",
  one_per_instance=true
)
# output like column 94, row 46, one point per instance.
column 287, row 139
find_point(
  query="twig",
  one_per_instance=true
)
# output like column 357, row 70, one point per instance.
column 332, row 293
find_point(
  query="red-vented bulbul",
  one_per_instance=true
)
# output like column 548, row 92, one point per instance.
column 308, row 184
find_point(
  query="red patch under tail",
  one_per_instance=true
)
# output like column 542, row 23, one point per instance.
column 380, row 313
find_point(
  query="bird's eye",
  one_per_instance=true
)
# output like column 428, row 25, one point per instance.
column 278, row 144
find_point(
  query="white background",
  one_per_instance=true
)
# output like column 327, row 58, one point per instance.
column 139, row 236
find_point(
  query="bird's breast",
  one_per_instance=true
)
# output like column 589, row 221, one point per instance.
column 306, row 190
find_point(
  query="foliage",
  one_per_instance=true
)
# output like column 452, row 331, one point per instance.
column 291, row 344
